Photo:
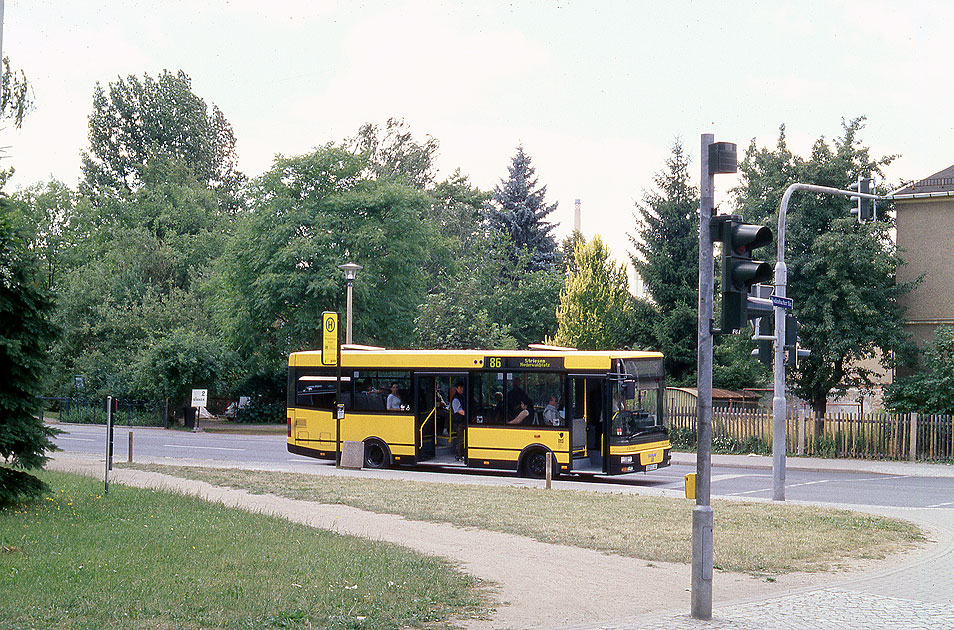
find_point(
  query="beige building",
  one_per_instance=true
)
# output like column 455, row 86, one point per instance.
column 925, row 231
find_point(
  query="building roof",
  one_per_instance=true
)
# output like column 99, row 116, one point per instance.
column 939, row 184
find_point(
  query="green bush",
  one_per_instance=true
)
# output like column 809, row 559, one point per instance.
column 95, row 414
column 260, row 411
column 682, row 438
column 824, row 446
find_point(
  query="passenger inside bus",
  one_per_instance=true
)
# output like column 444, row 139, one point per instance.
column 522, row 414
column 519, row 401
column 394, row 398
column 552, row 415
column 500, row 413
column 458, row 417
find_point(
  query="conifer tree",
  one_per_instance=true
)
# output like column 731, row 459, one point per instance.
column 666, row 257
column 519, row 209
column 25, row 306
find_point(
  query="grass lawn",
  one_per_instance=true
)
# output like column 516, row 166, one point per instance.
column 149, row 559
column 756, row 538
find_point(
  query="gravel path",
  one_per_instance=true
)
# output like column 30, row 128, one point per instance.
column 536, row 585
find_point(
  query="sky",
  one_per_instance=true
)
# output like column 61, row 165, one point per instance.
column 595, row 91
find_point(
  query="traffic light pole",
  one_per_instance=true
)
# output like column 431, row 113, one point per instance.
column 779, row 410
column 702, row 515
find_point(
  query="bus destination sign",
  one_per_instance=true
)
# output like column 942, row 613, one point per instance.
column 524, row 363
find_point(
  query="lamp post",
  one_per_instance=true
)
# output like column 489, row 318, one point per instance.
column 351, row 270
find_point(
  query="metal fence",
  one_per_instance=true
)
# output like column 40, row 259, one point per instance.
column 909, row 436
column 130, row 411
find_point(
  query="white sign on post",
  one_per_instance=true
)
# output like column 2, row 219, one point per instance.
column 200, row 398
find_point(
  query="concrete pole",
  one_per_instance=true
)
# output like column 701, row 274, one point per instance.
column 702, row 516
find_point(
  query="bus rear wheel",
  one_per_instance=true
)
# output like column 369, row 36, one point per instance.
column 375, row 455
column 535, row 464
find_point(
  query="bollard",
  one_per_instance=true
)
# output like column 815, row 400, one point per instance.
column 129, row 451
column 549, row 468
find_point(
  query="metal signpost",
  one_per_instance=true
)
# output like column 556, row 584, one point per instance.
column 331, row 355
column 200, row 398
column 111, row 407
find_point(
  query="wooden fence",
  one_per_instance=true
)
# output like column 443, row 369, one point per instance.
column 871, row 436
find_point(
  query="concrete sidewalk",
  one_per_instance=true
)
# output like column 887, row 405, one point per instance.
column 818, row 464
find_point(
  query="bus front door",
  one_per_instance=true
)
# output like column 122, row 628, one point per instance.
column 588, row 430
column 437, row 434
column 427, row 423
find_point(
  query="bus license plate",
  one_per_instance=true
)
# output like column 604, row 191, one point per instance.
column 651, row 467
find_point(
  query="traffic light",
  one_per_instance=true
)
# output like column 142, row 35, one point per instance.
column 739, row 271
column 865, row 208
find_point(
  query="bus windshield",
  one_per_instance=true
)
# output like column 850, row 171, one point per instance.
column 638, row 402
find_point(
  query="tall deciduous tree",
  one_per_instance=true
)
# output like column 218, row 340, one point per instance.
column 666, row 257
column 595, row 311
column 841, row 275
column 392, row 153
column 15, row 99
column 310, row 214
column 138, row 121
column 25, row 307
column 519, row 211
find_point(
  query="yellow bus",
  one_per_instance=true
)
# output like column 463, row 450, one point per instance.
column 596, row 413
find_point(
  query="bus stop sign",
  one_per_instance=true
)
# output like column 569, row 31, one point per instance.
column 329, row 338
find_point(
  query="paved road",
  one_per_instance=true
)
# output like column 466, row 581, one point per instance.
column 896, row 484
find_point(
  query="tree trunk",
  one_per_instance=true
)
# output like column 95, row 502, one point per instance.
column 819, row 407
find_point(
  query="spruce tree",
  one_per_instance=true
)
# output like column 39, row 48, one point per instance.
column 519, row 209
column 666, row 257
column 25, row 307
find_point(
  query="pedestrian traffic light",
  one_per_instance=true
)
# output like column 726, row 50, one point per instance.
column 739, row 271
column 865, row 208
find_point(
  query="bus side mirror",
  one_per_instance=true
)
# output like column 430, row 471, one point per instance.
column 629, row 390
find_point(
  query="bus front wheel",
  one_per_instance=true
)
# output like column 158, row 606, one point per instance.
column 375, row 455
column 535, row 464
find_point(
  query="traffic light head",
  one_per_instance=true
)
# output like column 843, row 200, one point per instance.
column 739, row 271
column 864, row 209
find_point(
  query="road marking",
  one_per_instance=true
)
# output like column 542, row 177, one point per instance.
column 794, row 485
column 739, row 476
column 210, row 448
column 77, row 439
column 940, row 505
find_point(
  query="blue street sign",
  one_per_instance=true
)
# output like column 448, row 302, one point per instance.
column 783, row 302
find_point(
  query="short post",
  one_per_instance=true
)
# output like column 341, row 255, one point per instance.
column 913, row 442
column 129, row 450
column 549, row 468
column 109, row 442
column 801, row 432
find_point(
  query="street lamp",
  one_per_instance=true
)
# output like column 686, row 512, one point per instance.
column 351, row 270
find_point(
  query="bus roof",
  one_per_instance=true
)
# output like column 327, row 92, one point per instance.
column 474, row 359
